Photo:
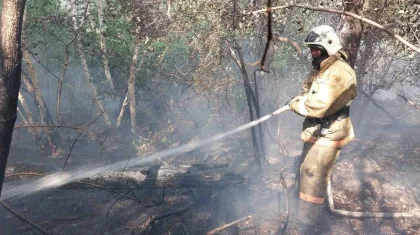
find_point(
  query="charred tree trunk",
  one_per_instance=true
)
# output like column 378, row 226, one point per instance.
column 366, row 55
column 132, row 88
column 103, row 44
column 351, row 30
column 10, row 71
column 251, row 98
column 167, row 176
column 252, row 101
column 258, row 113
column 83, row 60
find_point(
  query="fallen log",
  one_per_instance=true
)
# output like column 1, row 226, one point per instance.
column 47, row 167
column 191, row 176
column 34, row 167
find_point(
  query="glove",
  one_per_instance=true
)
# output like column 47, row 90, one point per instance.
column 292, row 103
column 295, row 102
column 294, row 99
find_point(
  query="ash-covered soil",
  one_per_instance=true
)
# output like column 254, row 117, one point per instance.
column 377, row 172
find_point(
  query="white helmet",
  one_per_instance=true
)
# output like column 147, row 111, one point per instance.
column 325, row 36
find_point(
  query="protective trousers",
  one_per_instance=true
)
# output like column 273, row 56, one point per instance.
column 316, row 165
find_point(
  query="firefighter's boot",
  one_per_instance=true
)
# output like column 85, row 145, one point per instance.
column 310, row 213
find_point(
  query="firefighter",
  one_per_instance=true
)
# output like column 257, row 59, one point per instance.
column 325, row 100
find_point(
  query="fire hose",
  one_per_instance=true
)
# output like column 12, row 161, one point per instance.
column 62, row 178
column 359, row 215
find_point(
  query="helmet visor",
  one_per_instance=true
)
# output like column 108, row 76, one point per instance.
column 312, row 36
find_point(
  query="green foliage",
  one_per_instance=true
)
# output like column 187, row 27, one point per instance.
column 118, row 36
column 178, row 52
column 193, row 45
column 47, row 28
column 42, row 8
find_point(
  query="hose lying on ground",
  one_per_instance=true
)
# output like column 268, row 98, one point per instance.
column 354, row 214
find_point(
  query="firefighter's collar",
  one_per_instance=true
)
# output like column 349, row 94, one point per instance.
column 329, row 61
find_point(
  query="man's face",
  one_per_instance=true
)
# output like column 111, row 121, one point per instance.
column 315, row 52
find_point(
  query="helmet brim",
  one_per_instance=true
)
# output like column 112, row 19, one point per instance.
column 330, row 50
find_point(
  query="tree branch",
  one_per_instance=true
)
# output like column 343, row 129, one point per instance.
column 286, row 218
column 371, row 22
column 279, row 38
column 71, row 148
column 410, row 102
column 153, row 219
column 377, row 105
column 24, row 174
column 219, row 229
column 48, row 126
column 23, row 219
column 269, row 36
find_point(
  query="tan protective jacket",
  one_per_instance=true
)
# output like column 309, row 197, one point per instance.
column 325, row 93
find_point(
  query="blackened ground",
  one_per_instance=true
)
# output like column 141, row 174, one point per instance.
column 377, row 172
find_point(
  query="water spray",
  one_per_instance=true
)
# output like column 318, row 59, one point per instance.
column 61, row 178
